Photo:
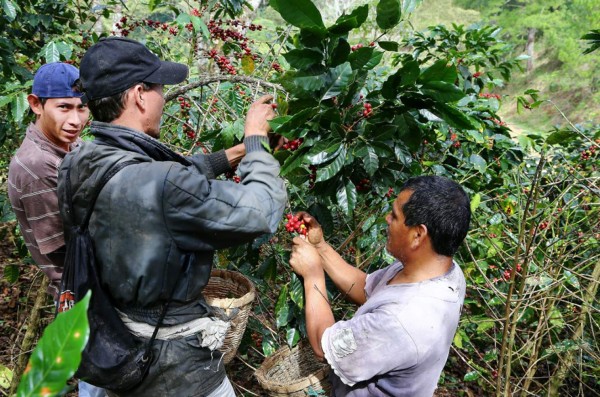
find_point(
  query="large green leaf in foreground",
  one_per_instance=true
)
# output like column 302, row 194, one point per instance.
column 58, row 354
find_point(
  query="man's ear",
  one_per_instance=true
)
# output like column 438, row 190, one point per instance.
column 136, row 94
column 420, row 235
column 35, row 104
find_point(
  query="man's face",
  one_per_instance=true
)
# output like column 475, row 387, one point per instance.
column 156, row 103
column 60, row 119
column 397, row 241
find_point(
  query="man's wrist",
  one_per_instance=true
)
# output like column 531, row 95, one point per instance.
column 255, row 143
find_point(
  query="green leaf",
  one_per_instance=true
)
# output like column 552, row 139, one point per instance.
column 282, row 308
column 478, row 163
column 370, row 160
column 200, row 26
column 571, row 279
column 442, row 91
column 561, row 137
column 485, row 325
column 346, row 23
column 303, row 59
column 409, row 6
column 389, row 45
column 471, row 376
column 50, row 52
column 292, row 162
column 11, row 273
column 365, row 58
column 300, row 13
column 388, row 14
column 333, row 168
column 407, row 75
column 475, row 201
column 439, row 71
column 337, row 80
column 58, row 354
column 19, row 106
column 292, row 336
column 297, row 291
column 268, row 345
column 6, row 376
column 54, row 49
column 321, row 155
column 454, row 117
column 152, row 4
column 10, row 9
column 346, row 196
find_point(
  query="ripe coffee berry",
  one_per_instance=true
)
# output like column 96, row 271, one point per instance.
column 295, row 225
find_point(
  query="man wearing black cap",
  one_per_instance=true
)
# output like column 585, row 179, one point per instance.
column 163, row 210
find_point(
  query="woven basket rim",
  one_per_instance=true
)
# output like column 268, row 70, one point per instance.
column 238, row 278
column 296, row 386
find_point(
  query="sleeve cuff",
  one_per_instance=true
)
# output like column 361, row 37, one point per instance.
column 218, row 162
column 254, row 143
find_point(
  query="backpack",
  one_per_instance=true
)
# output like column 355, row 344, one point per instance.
column 113, row 358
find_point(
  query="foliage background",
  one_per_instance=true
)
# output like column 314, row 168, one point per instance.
column 446, row 99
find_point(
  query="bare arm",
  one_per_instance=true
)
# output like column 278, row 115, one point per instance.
column 305, row 261
column 347, row 278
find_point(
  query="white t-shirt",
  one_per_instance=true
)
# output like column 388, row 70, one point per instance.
column 397, row 342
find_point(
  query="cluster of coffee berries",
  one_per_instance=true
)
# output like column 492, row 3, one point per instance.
column 276, row 67
column 497, row 121
column 231, row 175
column 368, row 110
column 477, row 74
column 294, row 224
column 587, row 153
column 489, row 95
column 543, row 225
column 189, row 131
column 390, row 192
column 293, row 144
column 455, row 141
column 357, row 46
column 257, row 339
column 222, row 62
column 183, row 104
column 363, row 185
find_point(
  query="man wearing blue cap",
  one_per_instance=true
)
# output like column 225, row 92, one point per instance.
column 33, row 171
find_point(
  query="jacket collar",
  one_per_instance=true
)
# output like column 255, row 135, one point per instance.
column 40, row 139
column 134, row 141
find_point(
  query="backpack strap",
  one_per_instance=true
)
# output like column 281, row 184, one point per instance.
column 95, row 193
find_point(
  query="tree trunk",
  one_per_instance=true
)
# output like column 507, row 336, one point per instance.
column 33, row 324
column 529, row 48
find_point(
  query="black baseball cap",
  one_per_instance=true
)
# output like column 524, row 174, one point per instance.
column 115, row 64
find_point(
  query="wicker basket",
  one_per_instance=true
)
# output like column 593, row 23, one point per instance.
column 229, row 291
column 293, row 372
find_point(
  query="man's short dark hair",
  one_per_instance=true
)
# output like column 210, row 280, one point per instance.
column 109, row 108
column 443, row 207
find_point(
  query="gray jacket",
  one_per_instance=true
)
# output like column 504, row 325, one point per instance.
column 151, row 214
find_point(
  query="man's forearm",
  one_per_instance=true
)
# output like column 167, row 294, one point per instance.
column 347, row 278
column 318, row 313
column 235, row 154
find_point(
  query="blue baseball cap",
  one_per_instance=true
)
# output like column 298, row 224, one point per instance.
column 56, row 80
